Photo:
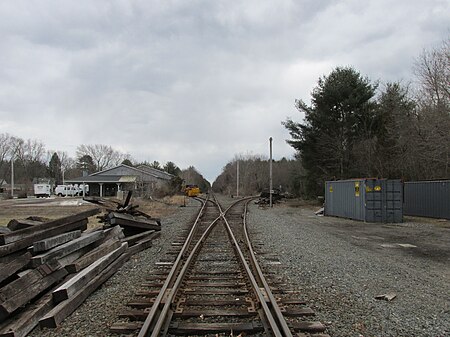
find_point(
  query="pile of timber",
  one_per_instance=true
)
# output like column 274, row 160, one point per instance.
column 48, row 268
column 126, row 215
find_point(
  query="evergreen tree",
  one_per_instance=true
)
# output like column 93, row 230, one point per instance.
column 171, row 168
column 86, row 162
column 341, row 113
column 127, row 162
column 54, row 168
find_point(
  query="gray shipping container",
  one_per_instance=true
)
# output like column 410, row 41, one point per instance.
column 427, row 198
column 369, row 200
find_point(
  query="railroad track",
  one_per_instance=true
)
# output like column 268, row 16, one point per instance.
column 215, row 287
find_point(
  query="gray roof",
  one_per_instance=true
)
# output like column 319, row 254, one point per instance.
column 102, row 179
column 124, row 173
column 151, row 170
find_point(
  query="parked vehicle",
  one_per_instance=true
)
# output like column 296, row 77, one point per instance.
column 42, row 190
column 80, row 189
column 66, row 191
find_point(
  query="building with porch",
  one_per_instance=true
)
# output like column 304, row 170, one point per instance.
column 141, row 180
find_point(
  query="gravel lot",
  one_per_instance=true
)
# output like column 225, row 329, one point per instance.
column 339, row 265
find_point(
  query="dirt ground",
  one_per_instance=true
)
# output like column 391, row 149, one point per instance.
column 58, row 207
column 425, row 237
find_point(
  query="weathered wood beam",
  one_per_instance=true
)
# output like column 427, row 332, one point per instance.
column 67, row 248
column 192, row 328
column 92, row 256
column 28, row 241
column 143, row 244
column 135, row 238
column 23, row 323
column 65, row 308
column 49, row 243
column 11, row 267
column 16, row 224
column 26, row 232
column 31, row 291
column 80, row 280
column 131, row 221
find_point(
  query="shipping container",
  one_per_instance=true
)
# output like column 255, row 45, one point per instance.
column 369, row 200
column 427, row 199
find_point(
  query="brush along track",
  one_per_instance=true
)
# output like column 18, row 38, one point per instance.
column 215, row 287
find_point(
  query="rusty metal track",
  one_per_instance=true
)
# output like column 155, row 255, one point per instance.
column 215, row 286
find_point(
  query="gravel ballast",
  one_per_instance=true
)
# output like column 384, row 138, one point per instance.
column 338, row 265
column 341, row 265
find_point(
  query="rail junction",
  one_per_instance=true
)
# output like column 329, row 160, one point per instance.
column 215, row 286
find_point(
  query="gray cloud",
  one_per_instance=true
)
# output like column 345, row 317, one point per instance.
column 193, row 82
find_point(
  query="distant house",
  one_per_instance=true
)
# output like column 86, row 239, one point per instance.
column 140, row 180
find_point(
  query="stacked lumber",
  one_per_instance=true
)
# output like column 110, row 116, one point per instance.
column 48, row 268
column 137, row 225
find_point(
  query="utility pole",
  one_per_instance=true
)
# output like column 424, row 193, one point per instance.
column 270, row 173
column 237, row 178
column 12, row 176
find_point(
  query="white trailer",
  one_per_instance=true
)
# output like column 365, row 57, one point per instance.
column 42, row 190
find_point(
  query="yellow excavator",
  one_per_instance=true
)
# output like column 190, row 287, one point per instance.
column 192, row 190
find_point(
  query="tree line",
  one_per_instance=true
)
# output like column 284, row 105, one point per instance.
column 254, row 175
column 32, row 163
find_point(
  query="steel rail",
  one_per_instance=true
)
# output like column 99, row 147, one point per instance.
column 161, row 320
column 155, row 328
column 256, row 289
column 149, row 321
column 279, row 315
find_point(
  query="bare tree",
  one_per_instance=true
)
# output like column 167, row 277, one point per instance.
column 104, row 156
column 432, row 69
column 433, row 72
column 7, row 143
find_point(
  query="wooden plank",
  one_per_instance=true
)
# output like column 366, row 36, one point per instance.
column 196, row 284
column 294, row 312
column 26, row 232
column 51, row 242
column 27, row 279
column 10, row 305
column 28, row 241
column 115, row 232
column 141, row 303
column 16, row 224
column 217, row 291
column 92, row 256
column 65, row 308
column 216, row 302
column 214, row 312
column 67, row 248
column 125, row 327
column 80, row 280
column 188, row 328
column 143, row 244
column 8, row 269
column 127, row 220
column 13, row 288
column 25, row 321
column 135, row 238
column 71, row 258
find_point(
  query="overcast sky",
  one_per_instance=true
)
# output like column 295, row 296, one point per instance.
column 194, row 82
